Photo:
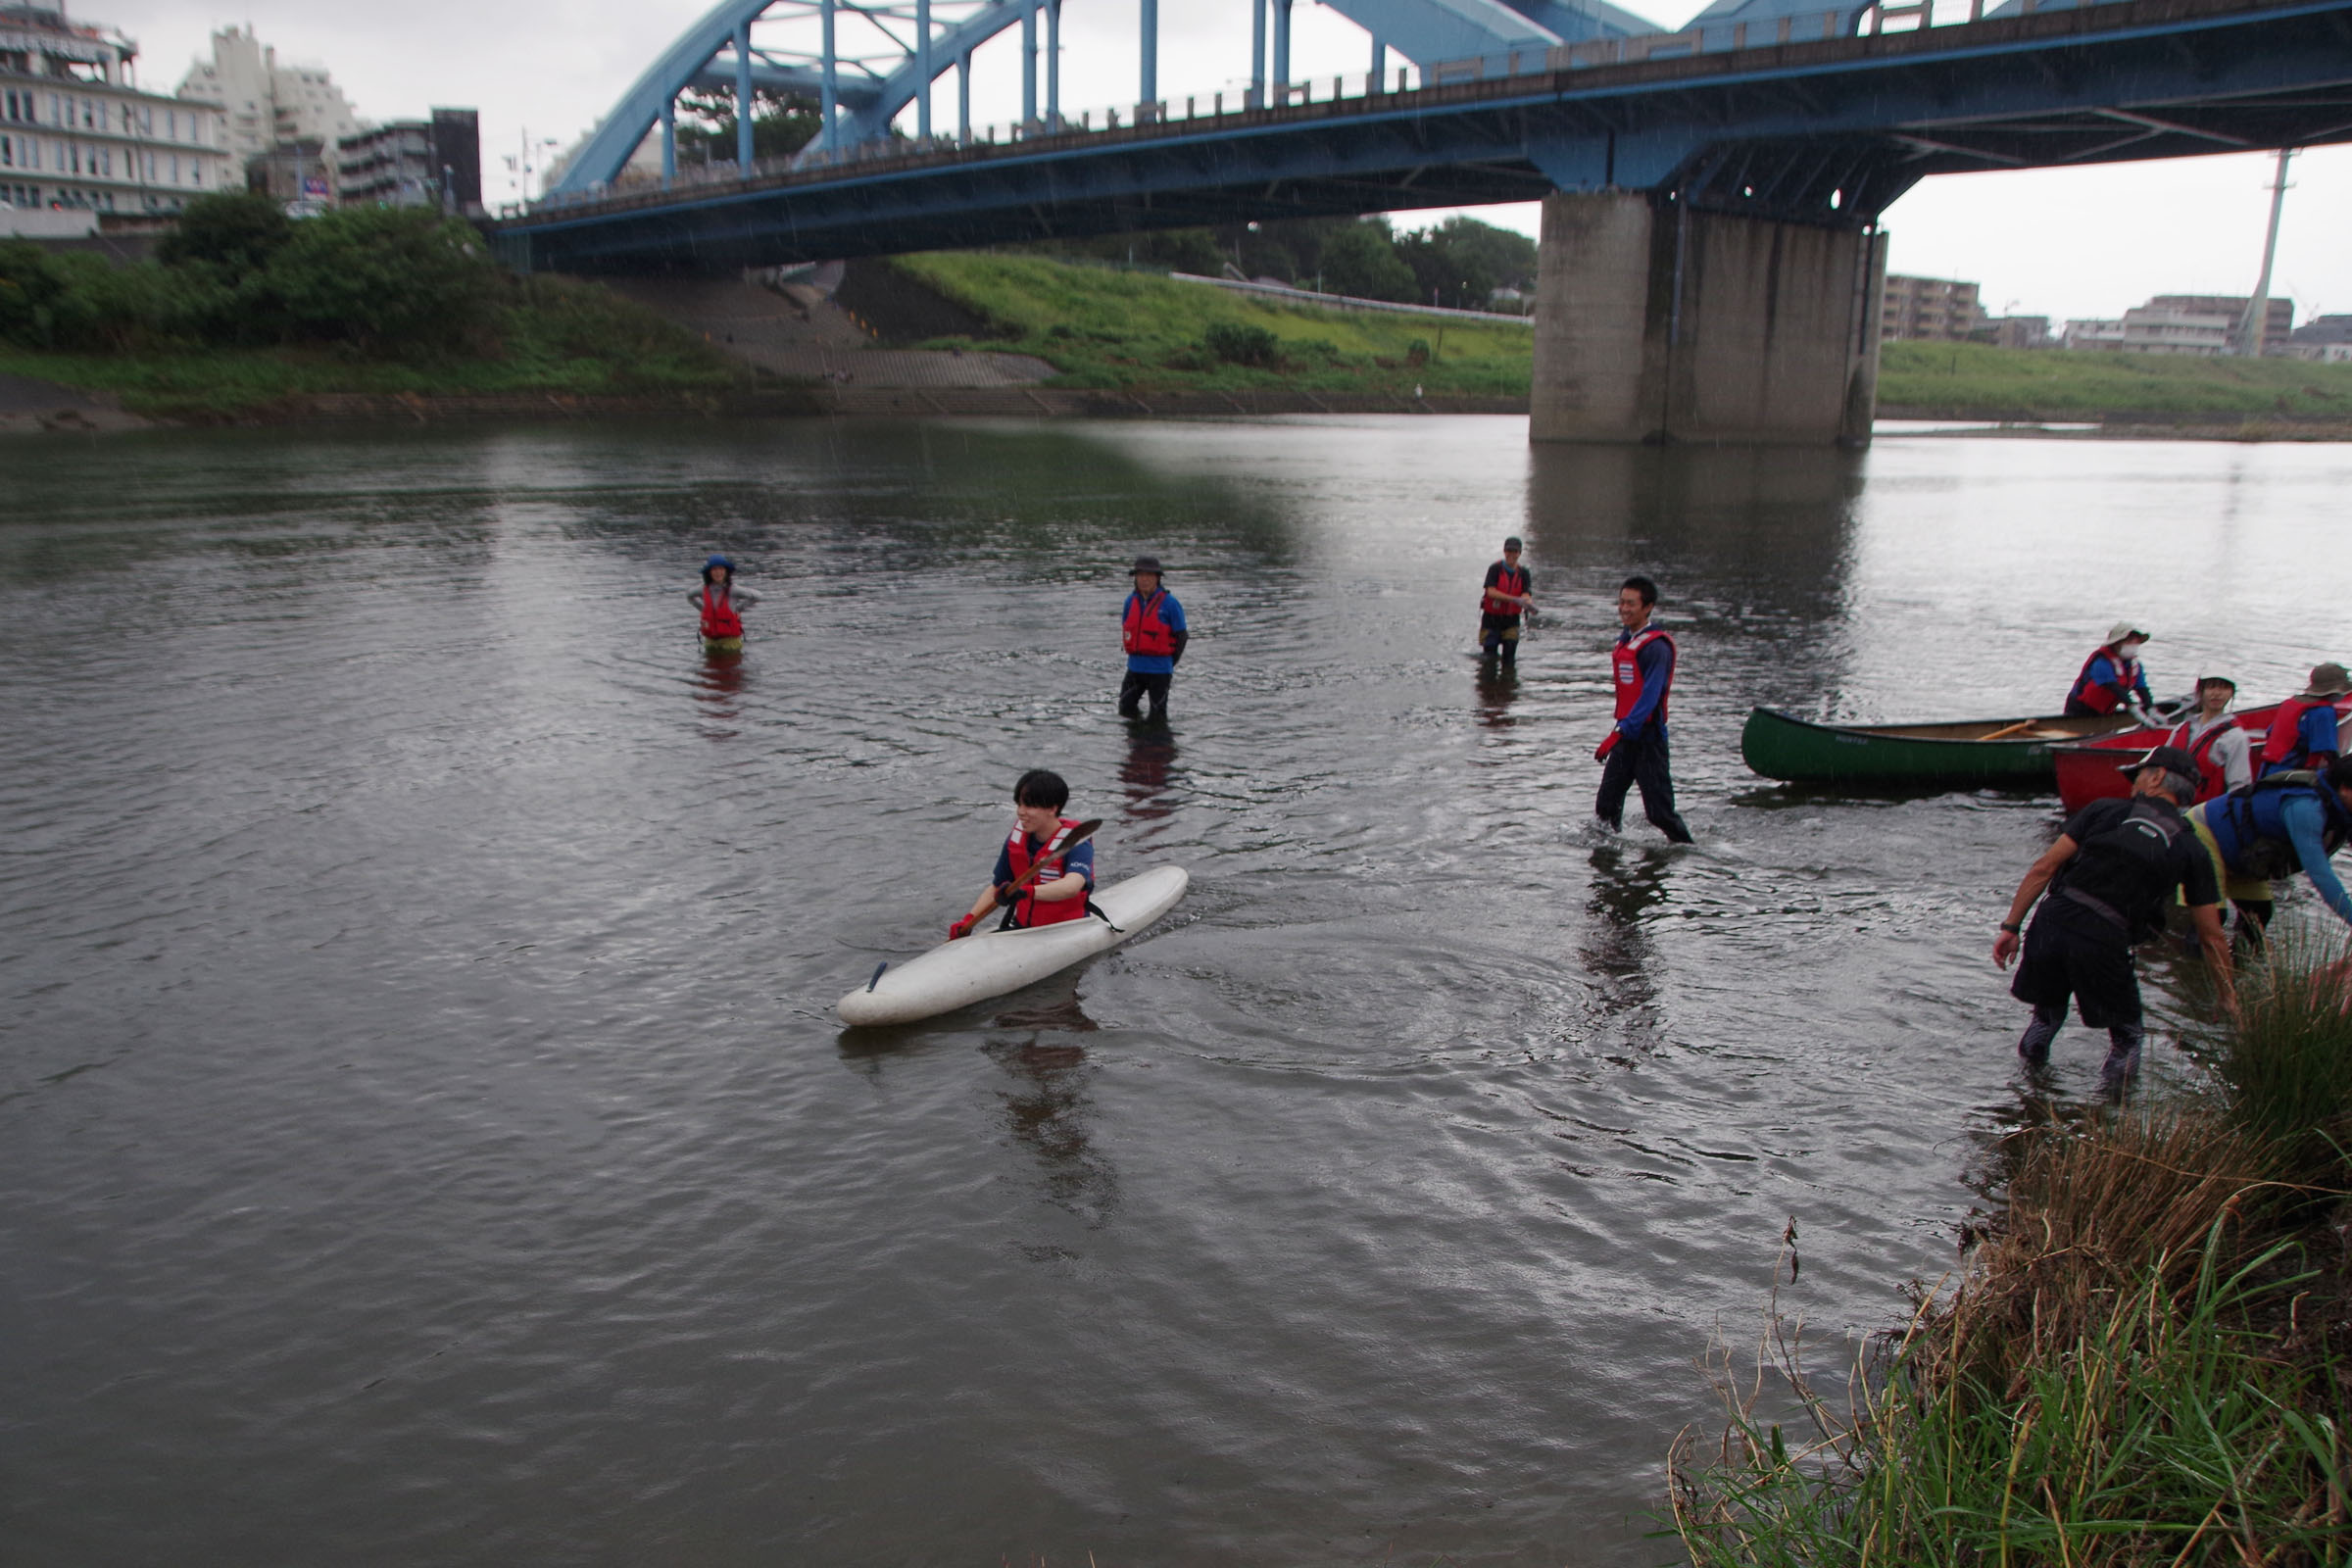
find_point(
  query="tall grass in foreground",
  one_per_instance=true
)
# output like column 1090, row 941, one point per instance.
column 2143, row 1364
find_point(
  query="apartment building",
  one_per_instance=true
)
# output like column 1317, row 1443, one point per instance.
column 414, row 162
column 266, row 105
column 1933, row 308
column 2278, row 316
column 76, row 133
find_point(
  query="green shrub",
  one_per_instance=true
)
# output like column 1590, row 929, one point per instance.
column 1239, row 343
column 2286, row 1060
column 33, row 292
column 237, row 231
column 386, row 280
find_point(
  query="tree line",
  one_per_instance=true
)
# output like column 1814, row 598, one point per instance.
column 238, row 271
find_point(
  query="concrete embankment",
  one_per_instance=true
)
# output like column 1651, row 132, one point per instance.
column 29, row 405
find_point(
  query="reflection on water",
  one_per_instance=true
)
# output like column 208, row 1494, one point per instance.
column 417, row 1050
column 1144, row 774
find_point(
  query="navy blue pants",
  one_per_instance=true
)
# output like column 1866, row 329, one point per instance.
column 1641, row 759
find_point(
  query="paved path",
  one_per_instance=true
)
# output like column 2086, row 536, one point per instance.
column 801, row 334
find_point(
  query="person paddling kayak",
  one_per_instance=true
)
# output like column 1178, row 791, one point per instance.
column 718, row 599
column 1060, row 888
column 2112, row 677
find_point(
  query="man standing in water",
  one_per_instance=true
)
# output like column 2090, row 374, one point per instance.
column 1641, row 670
column 1151, row 630
column 1509, row 591
column 2110, row 876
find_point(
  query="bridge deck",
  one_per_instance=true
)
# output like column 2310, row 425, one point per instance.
column 1827, row 130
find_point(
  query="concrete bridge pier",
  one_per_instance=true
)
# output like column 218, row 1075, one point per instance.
column 1658, row 325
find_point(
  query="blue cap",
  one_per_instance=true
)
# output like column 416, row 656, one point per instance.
column 718, row 561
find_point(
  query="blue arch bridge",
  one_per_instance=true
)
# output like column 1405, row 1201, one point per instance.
column 1711, row 256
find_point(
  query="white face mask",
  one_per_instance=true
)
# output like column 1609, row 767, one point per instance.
column 2130, row 648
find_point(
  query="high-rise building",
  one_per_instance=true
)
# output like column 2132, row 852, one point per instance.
column 76, row 133
column 1933, row 308
column 268, row 105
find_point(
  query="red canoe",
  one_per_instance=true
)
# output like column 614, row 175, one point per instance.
column 2087, row 769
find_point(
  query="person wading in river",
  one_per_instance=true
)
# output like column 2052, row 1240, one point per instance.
column 1061, row 890
column 718, row 599
column 1508, row 593
column 1151, row 630
column 1641, row 670
column 2268, row 830
column 2110, row 877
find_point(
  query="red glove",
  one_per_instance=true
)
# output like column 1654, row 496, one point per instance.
column 961, row 928
column 1601, row 752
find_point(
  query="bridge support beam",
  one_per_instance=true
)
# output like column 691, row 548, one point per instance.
column 1657, row 324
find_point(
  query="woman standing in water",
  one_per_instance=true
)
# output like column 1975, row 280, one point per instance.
column 718, row 599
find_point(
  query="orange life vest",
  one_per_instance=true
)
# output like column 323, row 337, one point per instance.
column 1033, row 910
column 719, row 613
column 1141, row 629
column 1510, row 580
column 1627, row 669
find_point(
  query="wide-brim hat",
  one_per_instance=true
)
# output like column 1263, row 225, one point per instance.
column 1144, row 564
column 2328, row 680
column 2172, row 758
column 2123, row 630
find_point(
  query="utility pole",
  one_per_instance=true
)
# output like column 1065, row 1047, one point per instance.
column 2258, row 309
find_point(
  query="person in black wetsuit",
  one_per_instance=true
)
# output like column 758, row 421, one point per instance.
column 2110, row 876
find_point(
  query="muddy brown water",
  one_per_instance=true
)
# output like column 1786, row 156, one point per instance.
column 422, row 1133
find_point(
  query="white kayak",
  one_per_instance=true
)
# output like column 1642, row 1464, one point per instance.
column 956, row 974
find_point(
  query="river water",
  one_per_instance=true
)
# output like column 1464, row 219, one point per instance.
column 423, row 1137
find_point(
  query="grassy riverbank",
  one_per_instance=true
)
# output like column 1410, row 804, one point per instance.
column 1974, row 380
column 243, row 308
column 1144, row 332
column 551, row 335
column 2145, row 1361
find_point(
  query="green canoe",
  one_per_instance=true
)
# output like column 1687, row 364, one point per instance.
column 1976, row 753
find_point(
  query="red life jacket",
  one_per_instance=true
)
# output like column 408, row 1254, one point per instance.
column 1508, row 580
column 1628, row 672
column 719, row 613
column 1142, row 631
column 2285, row 743
column 2212, row 780
column 2104, row 699
column 1033, row 910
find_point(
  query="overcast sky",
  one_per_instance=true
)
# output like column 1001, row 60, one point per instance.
column 2056, row 242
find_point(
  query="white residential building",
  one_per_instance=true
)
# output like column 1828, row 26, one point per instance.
column 2156, row 329
column 267, row 104
column 74, row 133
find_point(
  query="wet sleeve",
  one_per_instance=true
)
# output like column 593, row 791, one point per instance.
column 1656, row 662
column 1004, row 864
column 2302, row 818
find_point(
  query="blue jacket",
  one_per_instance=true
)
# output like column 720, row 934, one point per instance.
column 2275, row 828
column 2314, row 732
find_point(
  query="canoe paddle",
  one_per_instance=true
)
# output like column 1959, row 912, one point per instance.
column 1069, row 840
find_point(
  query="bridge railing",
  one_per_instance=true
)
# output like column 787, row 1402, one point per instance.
column 1364, row 89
